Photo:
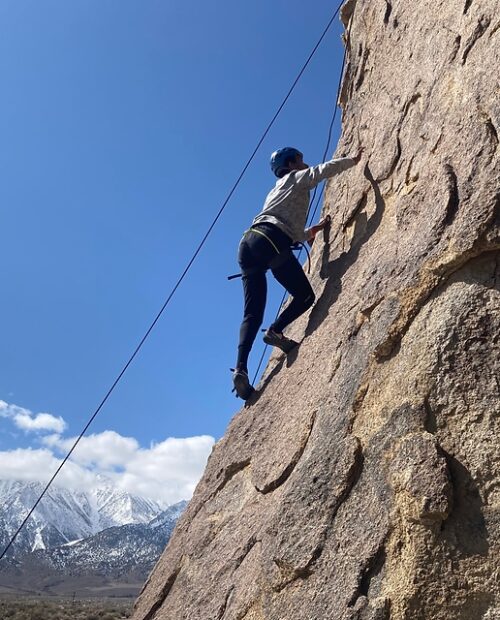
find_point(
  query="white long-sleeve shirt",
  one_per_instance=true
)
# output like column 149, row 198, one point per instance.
column 287, row 203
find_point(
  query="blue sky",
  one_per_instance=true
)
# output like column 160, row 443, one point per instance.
column 123, row 125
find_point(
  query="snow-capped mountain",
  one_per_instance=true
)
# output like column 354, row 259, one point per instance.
column 65, row 515
column 117, row 559
column 168, row 516
column 117, row 550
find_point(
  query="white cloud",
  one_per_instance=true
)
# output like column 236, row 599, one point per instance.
column 104, row 450
column 40, row 422
column 39, row 465
column 28, row 421
column 166, row 472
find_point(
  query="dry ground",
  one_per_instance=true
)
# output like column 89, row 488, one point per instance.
column 64, row 609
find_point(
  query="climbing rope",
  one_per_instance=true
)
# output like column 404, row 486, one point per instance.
column 180, row 279
column 311, row 218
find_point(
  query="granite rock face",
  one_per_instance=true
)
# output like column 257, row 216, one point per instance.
column 362, row 482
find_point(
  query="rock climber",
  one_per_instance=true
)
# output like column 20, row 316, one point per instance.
column 267, row 245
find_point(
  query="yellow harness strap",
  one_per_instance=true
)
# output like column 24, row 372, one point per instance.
column 259, row 232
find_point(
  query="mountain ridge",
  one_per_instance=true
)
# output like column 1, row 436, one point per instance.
column 113, row 558
column 66, row 515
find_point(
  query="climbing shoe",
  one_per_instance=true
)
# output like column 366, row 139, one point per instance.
column 241, row 384
column 275, row 339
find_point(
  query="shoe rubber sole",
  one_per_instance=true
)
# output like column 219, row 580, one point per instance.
column 286, row 345
column 242, row 386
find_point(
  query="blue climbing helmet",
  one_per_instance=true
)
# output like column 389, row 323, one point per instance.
column 280, row 158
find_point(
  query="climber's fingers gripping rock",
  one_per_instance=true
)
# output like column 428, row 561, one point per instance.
column 314, row 230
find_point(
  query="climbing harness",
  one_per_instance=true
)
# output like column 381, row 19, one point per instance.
column 262, row 234
column 277, row 260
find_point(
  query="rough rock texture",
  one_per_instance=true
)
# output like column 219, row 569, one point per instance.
column 362, row 481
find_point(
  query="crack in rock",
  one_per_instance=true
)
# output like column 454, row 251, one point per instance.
column 229, row 473
column 294, row 545
column 398, row 151
column 453, row 196
column 492, row 131
column 252, row 541
column 437, row 143
column 421, row 480
column 495, row 29
column 456, row 47
column 364, row 315
column 361, row 72
column 479, row 30
column 360, row 206
column 388, row 11
column 285, row 474
column 413, row 299
column 409, row 178
column 368, row 310
column 162, row 595
column 371, row 569
column 238, row 561
column 430, row 424
column 223, row 607
column 411, row 102
column 395, row 161
column 373, row 609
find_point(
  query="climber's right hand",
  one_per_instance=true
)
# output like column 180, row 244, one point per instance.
column 314, row 230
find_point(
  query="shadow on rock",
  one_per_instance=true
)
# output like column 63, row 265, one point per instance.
column 465, row 529
column 334, row 270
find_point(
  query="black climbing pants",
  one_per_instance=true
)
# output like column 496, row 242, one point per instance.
column 255, row 256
